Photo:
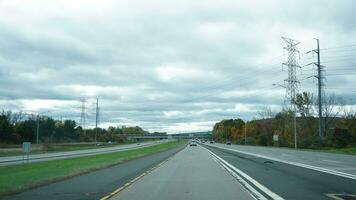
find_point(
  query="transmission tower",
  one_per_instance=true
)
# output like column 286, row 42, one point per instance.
column 292, row 83
column 83, row 115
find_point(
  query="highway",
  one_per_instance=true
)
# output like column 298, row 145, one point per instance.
column 335, row 162
column 288, row 181
column 96, row 184
column 190, row 174
column 218, row 171
column 213, row 171
column 11, row 160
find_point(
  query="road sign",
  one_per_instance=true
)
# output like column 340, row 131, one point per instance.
column 26, row 147
column 275, row 137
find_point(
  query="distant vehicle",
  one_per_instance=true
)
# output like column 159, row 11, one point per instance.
column 211, row 142
column 192, row 143
column 228, row 143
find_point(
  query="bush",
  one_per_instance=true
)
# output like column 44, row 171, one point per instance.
column 341, row 138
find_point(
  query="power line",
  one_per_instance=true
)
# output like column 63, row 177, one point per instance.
column 337, row 50
column 339, row 47
column 341, row 74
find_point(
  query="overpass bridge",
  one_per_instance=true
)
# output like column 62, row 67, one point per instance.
column 199, row 135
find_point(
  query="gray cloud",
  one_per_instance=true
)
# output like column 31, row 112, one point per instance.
column 163, row 65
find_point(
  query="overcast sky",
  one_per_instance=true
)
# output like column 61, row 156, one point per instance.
column 175, row 66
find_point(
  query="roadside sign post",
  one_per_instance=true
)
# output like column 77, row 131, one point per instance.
column 275, row 139
column 26, row 148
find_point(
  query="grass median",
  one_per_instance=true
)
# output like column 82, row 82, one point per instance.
column 20, row 177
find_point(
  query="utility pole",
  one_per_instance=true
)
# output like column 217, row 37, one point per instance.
column 38, row 129
column 245, row 131
column 96, row 118
column 320, row 78
column 292, row 81
column 82, row 115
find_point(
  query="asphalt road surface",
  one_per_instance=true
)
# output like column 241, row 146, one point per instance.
column 215, row 171
column 285, row 180
column 11, row 160
column 97, row 184
column 190, row 174
column 331, row 161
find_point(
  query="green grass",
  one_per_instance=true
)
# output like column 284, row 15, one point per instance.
column 19, row 177
column 346, row 150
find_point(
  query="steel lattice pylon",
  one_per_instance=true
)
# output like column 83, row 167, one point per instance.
column 292, row 83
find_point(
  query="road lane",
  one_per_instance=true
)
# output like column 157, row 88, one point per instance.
column 338, row 162
column 11, row 160
column 190, row 174
column 288, row 181
column 97, row 184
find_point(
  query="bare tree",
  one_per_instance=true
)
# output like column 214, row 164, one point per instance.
column 332, row 107
column 348, row 111
column 14, row 117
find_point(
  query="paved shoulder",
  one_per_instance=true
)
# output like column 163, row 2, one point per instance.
column 191, row 174
column 11, row 160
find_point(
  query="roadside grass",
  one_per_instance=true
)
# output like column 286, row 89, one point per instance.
column 14, row 178
column 346, row 150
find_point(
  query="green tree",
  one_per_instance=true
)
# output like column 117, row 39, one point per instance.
column 6, row 129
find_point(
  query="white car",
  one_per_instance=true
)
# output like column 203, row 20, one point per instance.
column 192, row 143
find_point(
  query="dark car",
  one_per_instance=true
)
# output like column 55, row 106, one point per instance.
column 228, row 143
column 211, row 142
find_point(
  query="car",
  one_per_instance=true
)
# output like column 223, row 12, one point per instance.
column 193, row 144
column 228, row 143
column 211, row 142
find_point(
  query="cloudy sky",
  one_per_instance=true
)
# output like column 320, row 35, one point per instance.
column 175, row 66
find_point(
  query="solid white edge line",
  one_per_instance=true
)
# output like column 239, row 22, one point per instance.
column 253, row 181
column 254, row 193
column 320, row 169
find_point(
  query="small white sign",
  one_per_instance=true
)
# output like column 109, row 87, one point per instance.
column 275, row 137
column 26, row 147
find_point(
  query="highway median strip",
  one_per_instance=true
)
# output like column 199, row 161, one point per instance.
column 16, row 178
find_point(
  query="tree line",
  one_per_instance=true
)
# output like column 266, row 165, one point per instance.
column 339, row 125
column 17, row 127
